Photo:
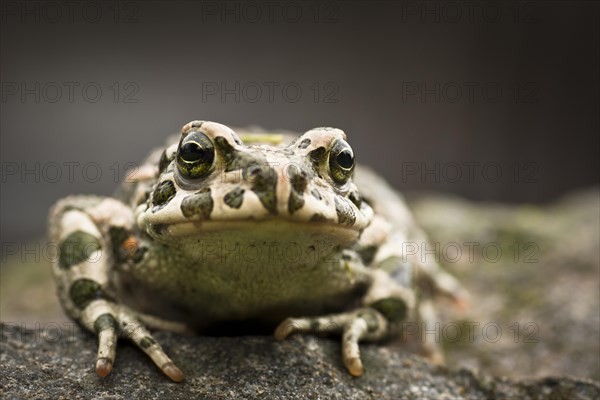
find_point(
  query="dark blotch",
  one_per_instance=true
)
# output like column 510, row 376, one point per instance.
column 316, row 194
column 104, row 322
column 234, row 198
column 226, row 151
column 264, row 179
column 158, row 228
column 317, row 155
column 164, row 161
column 84, row 291
column 304, row 143
column 146, row 342
column 345, row 212
column 117, row 234
column 355, row 198
column 77, row 247
column 234, row 159
column 367, row 254
column 163, row 193
column 198, row 204
column 299, row 181
column 295, row 202
column 318, row 218
column 393, row 309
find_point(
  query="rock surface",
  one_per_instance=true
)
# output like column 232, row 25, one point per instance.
column 533, row 273
column 542, row 291
column 58, row 363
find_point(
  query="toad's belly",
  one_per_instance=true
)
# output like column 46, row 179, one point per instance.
column 245, row 280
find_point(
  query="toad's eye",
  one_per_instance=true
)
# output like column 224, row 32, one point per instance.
column 195, row 155
column 341, row 161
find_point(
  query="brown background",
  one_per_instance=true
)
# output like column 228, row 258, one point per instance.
column 540, row 131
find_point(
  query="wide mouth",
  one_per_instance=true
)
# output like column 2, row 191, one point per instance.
column 273, row 229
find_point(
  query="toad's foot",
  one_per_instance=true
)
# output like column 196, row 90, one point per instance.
column 111, row 321
column 363, row 324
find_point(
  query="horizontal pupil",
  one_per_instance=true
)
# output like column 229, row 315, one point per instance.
column 344, row 159
column 192, row 152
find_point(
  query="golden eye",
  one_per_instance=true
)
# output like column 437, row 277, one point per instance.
column 341, row 161
column 195, row 155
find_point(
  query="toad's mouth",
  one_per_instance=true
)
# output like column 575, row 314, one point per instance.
column 271, row 230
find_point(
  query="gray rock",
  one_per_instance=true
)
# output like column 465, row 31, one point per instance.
column 549, row 289
column 58, row 363
column 541, row 288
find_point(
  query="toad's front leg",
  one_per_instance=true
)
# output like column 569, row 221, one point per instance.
column 387, row 304
column 80, row 227
column 362, row 324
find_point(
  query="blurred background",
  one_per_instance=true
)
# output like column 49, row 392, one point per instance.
column 493, row 101
column 492, row 106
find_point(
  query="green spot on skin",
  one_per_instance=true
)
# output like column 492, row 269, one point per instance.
column 146, row 342
column 392, row 308
column 227, row 152
column 368, row 254
column 198, row 204
column 355, row 199
column 345, row 212
column 314, row 325
column 164, row 161
column 84, row 291
column 264, row 180
column 318, row 218
column 304, row 143
column 298, row 180
column 163, row 193
column 117, row 234
column 318, row 155
column 105, row 321
column 234, row 198
column 77, row 247
column 295, row 202
column 371, row 320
